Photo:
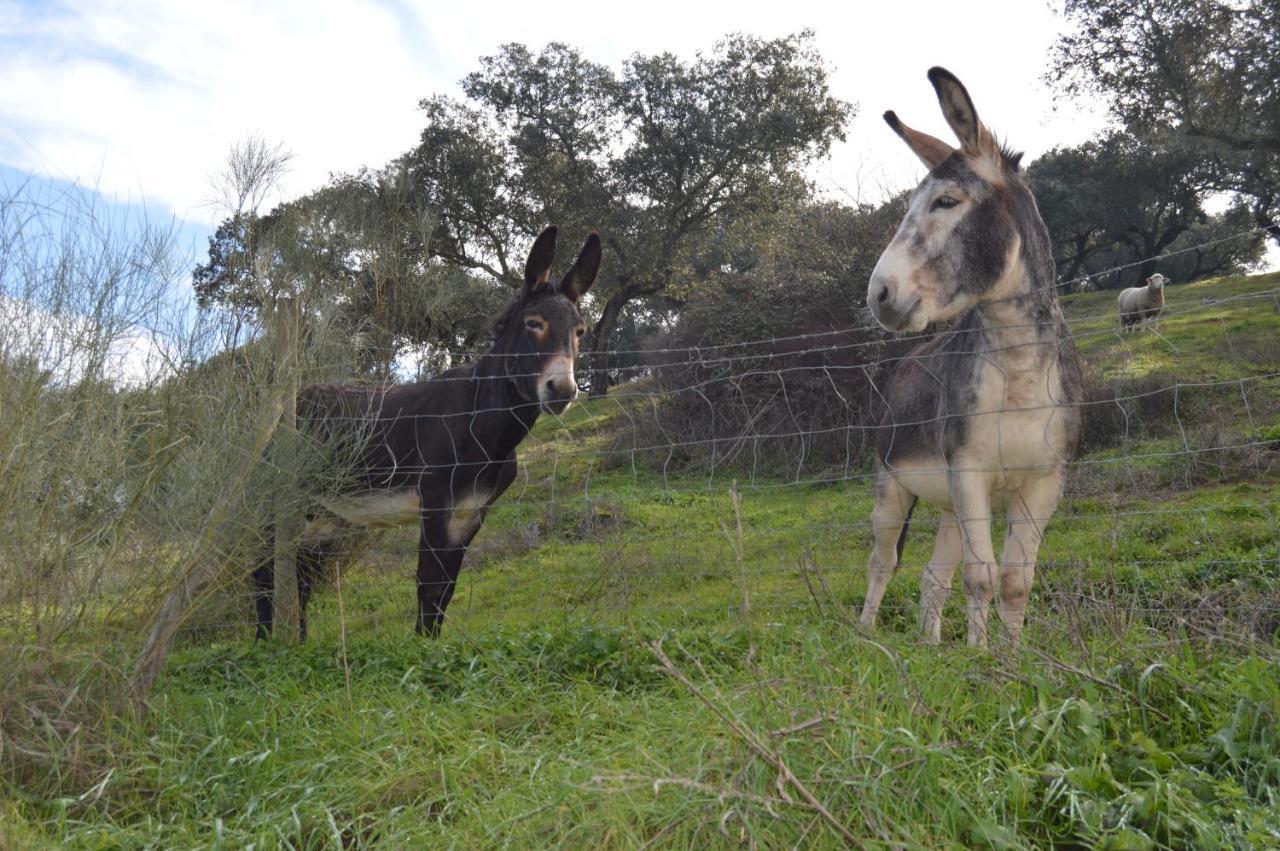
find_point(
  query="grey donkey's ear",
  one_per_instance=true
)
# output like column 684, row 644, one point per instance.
column 930, row 149
column 537, row 269
column 583, row 274
column 957, row 108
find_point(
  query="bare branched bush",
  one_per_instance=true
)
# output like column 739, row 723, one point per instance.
column 803, row 404
column 253, row 170
column 141, row 453
column 801, row 400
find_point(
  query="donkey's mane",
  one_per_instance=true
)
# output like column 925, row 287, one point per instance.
column 1011, row 158
column 500, row 323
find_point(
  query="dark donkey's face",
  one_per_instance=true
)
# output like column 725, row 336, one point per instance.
column 538, row 336
column 958, row 244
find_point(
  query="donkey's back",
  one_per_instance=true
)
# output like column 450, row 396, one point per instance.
column 392, row 432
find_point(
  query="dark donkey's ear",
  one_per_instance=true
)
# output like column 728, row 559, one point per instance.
column 583, row 274
column 957, row 108
column 537, row 269
column 930, row 149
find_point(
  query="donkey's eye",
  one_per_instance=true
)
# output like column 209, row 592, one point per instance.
column 534, row 324
column 580, row 331
column 943, row 202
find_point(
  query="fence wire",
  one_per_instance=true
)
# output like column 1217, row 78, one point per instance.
column 585, row 479
column 621, row 509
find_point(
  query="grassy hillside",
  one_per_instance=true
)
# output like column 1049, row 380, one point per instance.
column 1211, row 330
column 629, row 660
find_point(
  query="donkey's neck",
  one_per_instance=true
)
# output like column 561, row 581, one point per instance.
column 501, row 419
column 1024, row 316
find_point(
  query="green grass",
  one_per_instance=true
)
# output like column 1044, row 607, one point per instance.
column 569, row 736
column 1142, row 714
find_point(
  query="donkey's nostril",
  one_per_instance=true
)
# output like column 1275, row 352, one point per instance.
column 883, row 295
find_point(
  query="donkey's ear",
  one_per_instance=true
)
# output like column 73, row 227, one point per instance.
column 930, row 149
column 537, row 269
column 957, row 108
column 583, row 274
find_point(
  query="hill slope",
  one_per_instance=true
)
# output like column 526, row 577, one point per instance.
column 1142, row 714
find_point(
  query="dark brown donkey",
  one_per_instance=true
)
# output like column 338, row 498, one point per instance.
column 440, row 452
column 987, row 413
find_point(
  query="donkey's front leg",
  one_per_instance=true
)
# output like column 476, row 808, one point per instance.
column 971, row 501
column 935, row 581
column 439, row 560
column 887, row 519
column 1029, row 511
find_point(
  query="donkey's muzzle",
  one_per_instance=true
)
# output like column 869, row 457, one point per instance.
column 557, row 404
column 888, row 307
column 556, row 385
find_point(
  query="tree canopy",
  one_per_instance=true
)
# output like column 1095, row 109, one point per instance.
column 694, row 171
column 1208, row 70
column 1125, row 198
column 660, row 157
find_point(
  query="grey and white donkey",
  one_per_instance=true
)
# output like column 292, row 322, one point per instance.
column 985, row 414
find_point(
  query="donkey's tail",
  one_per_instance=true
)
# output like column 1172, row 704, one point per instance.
column 906, row 524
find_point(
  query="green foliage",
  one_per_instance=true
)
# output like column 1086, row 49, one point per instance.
column 359, row 248
column 417, row 253
column 1221, row 245
column 1208, row 65
column 706, row 144
column 1125, row 199
column 1202, row 70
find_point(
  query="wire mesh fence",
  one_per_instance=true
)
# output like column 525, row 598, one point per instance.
column 631, row 511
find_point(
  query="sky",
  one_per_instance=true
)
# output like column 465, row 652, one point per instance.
column 141, row 99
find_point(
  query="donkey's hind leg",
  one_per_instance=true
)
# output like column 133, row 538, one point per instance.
column 1029, row 511
column 311, row 560
column 935, row 582
column 263, row 583
column 893, row 504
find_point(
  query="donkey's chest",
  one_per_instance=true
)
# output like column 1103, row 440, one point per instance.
column 1016, row 430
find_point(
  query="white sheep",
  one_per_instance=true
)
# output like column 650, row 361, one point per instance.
column 1140, row 304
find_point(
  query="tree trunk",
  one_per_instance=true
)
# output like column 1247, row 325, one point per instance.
column 1152, row 246
column 603, row 342
column 1077, row 261
column 1148, row 267
column 1263, row 217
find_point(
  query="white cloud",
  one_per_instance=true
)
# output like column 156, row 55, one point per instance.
column 71, row 347
column 145, row 98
